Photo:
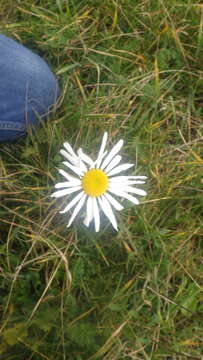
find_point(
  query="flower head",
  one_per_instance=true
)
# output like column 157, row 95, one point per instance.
column 95, row 185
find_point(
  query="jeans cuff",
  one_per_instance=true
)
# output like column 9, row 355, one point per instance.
column 10, row 125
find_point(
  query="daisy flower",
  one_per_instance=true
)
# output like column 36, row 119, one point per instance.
column 96, row 184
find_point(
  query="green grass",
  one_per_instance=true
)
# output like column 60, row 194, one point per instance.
column 133, row 68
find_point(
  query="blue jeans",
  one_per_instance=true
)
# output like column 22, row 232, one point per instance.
column 28, row 89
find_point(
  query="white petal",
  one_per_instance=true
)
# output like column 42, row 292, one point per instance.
column 72, row 203
column 116, row 187
column 112, row 153
column 67, row 184
column 96, row 214
column 133, row 190
column 64, row 192
column 106, row 208
column 124, row 195
column 113, row 201
column 113, row 163
column 127, row 177
column 82, row 165
column 69, row 148
column 89, row 211
column 102, row 148
column 85, row 157
column 125, row 180
column 99, row 160
column 66, row 175
column 77, row 209
column 75, row 169
column 124, row 183
column 131, row 182
column 120, row 168
column 73, row 160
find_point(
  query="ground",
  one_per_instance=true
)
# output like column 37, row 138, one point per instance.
column 134, row 69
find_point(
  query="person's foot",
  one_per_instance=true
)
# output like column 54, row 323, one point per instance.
column 28, row 89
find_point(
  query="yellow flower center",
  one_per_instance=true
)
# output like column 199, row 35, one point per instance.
column 95, row 182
